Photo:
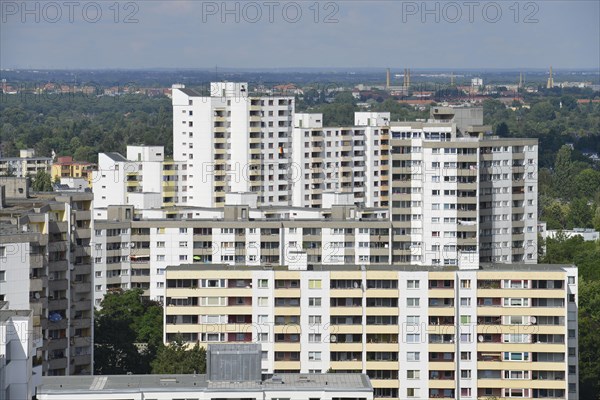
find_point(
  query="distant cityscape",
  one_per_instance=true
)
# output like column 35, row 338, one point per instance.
column 374, row 260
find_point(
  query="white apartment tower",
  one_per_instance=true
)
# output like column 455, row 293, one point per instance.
column 230, row 141
column 352, row 159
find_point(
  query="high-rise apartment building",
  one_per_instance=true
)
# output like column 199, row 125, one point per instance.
column 231, row 141
column 499, row 331
column 467, row 198
column 45, row 266
column 352, row 160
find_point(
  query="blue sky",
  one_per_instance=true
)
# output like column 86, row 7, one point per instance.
column 192, row 34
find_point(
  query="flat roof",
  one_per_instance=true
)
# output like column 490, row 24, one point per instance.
column 379, row 267
column 185, row 383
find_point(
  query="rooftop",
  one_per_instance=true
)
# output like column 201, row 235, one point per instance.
column 199, row 383
column 116, row 157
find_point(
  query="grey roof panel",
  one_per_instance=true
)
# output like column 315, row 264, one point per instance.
column 116, row 157
column 190, row 92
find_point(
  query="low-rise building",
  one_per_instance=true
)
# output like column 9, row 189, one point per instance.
column 66, row 167
column 26, row 164
column 233, row 373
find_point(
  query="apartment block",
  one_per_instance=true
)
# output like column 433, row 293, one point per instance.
column 132, row 250
column 501, row 331
column 462, row 199
column 26, row 164
column 352, row 160
column 231, row 141
column 46, row 267
column 143, row 178
column 20, row 371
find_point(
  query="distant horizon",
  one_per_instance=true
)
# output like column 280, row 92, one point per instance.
column 315, row 69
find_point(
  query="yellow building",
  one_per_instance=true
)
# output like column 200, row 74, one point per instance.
column 501, row 331
column 66, row 167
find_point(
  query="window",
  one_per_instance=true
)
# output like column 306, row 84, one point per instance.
column 263, row 319
column 571, row 280
column 412, row 392
column 262, row 337
column 314, row 284
column 263, row 301
column 263, row 283
column 160, row 244
column 572, row 351
column 465, row 319
column 412, row 302
column 314, row 337
column 465, row 302
column 160, row 257
column 413, row 356
column 413, row 374
column 516, row 356
column 412, row 319
column 572, row 387
column 572, row 369
column 413, row 338
column 314, row 356
column 182, row 258
column 465, row 356
column 264, row 355
column 412, row 284
column 2, row 276
column 314, row 302
column 314, row 319
column 465, row 338
column 465, row 392
column 465, row 283
column 182, row 230
column 183, row 244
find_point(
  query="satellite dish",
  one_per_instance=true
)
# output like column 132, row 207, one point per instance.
column 132, row 244
column 37, row 295
column 333, row 338
column 480, row 338
column 533, row 320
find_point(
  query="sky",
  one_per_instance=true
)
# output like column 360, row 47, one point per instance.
column 283, row 34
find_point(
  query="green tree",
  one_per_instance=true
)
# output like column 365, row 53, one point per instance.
column 42, row 182
column 587, row 183
column 563, row 173
column 556, row 214
column 502, row 130
column 177, row 358
column 543, row 111
column 127, row 332
column 580, row 214
column 596, row 218
column 589, row 337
